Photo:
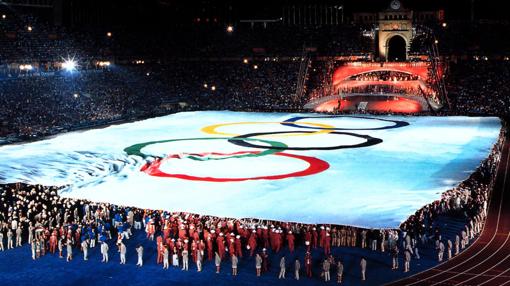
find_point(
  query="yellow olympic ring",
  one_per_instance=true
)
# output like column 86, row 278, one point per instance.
column 211, row 129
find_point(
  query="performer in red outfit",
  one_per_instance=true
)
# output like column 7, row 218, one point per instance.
column 252, row 243
column 210, row 242
column 308, row 264
column 314, row 237
column 194, row 249
column 290, row 241
column 327, row 244
column 220, row 242
column 308, row 240
column 53, row 241
column 322, row 236
column 161, row 249
column 238, row 247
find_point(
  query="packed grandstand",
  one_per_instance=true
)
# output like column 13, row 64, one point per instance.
column 60, row 78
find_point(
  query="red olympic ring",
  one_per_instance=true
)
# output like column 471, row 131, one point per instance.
column 315, row 166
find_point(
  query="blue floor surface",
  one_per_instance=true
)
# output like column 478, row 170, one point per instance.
column 17, row 267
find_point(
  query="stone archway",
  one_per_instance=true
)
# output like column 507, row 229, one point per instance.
column 396, row 49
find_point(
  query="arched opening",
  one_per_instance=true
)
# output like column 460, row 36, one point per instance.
column 396, row 49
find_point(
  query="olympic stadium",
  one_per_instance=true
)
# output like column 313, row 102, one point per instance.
column 220, row 143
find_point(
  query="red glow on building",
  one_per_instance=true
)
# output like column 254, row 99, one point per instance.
column 374, row 103
column 347, row 70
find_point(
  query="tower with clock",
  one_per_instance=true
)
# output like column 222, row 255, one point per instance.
column 395, row 4
column 395, row 32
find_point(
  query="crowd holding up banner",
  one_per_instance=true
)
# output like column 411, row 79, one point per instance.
column 54, row 225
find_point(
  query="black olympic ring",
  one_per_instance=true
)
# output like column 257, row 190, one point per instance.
column 291, row 122
column 370, row 141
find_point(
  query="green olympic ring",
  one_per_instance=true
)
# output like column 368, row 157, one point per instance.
column 136, row 149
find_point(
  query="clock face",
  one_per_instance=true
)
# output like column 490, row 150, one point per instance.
column 395, row 4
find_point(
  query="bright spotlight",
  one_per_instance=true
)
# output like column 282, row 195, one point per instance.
column 69, row 65
column 29, row 28
column 75, row 95
column 4, row 16
column 104, row 63
column 230, row 29
column 109, row 34
column 213, row 88
column 27, row 67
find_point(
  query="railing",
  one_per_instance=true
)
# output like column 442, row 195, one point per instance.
column 303, row 73
column 440, row 79
column 434, row 57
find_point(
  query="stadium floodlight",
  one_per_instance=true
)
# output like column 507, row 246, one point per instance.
column 27, row 67
column 104, row 63
column 69, row 65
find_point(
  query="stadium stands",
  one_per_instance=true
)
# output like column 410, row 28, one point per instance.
column 150, row 73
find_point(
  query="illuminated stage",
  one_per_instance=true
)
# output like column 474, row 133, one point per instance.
column 355, row 170
column 354, row 68
column 380, row 103
column 404, row 87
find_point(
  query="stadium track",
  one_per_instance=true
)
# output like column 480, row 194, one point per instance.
column 487, row 260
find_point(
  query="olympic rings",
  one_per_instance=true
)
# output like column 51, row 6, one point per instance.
column 315, row 166
column 136, row 149
column 211, row 129
column 272, row 148
column 369, row 141
column 292, row 122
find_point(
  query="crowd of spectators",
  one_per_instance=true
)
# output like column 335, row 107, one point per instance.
column 272, row 40
column 50, row 100
column 468, row 200
column 384, row 76
column 37, row 215
column 475, row 86
column 480, row 87
column 266, row 84
column 41, row 105
column 380, row 89
column 382, row 83
column 45, row 104
column 52, row 224
column 25, row 39
column 482, row 38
